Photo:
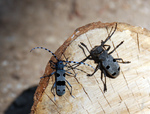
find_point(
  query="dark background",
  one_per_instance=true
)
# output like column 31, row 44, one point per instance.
column 25, row 24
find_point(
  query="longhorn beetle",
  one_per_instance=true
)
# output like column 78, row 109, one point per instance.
column 60, row 74
column 106, row 63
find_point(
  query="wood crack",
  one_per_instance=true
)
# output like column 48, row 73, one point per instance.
column 53, row 102
column 127, row 108
column 138, row 42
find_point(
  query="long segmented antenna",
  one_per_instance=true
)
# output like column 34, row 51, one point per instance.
column 79, row 63
column 45, row 49
column 109, row 36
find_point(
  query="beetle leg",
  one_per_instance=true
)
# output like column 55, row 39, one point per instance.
column 69, row 66
column 76, row 69
column 66, row 60
column 76, row 65
column 97, row 67
column 48, row 75
column 52, row 90
column 115, row 48
column 103, row 72
column 122, row 61
column 69, row 74
column 70, row 87
column 87, row 57
column 105, row 87
column 82, row 50
column 52, row 64
column 108, row 47
column 109, row 36
column 84, row 46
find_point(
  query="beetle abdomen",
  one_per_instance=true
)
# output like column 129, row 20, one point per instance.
column 60, row 82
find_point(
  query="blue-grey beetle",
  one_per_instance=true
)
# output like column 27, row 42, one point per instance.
column 60, row 73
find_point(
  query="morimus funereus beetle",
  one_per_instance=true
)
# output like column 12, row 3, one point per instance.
column 105, row 61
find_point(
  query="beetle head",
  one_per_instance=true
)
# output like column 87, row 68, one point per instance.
column 60, row 65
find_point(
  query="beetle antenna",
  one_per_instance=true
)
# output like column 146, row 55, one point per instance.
column 109, row 36
column 44, row 49
column 79, row 63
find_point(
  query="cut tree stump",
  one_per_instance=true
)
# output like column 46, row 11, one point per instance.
column 127, row 93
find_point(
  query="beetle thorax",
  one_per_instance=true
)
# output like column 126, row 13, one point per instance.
column 95, row 52
column 103, row 56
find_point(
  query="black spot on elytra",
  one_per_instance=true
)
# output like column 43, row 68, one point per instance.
column 114, row 60
column 118, row 68
column 60, row 83
column 114, row 73
column 57, row 74
column 108, row 67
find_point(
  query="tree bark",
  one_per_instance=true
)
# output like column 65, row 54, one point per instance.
column 127, row 93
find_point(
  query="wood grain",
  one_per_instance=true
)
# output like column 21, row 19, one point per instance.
column 128, row 93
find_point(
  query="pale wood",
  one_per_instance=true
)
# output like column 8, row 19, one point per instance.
column 128, row 93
